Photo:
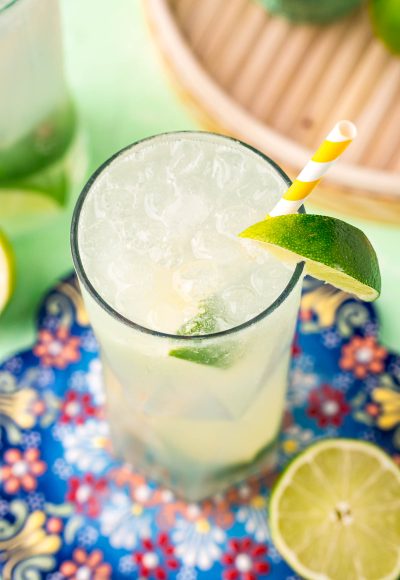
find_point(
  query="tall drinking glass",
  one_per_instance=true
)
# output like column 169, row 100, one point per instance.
column 38, row 126
column 195, row 325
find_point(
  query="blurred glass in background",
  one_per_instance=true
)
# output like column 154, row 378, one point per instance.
column 39, row 160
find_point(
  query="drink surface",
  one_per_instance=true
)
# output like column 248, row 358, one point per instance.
column 158, row 232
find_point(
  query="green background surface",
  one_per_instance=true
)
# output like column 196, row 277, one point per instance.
column 122, row 95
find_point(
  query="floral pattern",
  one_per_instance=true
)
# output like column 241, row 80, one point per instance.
column 70, row 510
column 84, row 566
column 362, row 356
column 245, row 560
column 327, row 406
column 77, row 407
column 57, row 349
column 21, row 470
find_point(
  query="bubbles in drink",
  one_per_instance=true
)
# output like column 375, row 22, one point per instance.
column 158, row 232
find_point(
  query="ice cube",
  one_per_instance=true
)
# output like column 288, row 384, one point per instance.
column 235, row 219
column 197, row 279
column 209, row 244
column 186, row 213
column 143, row 236
column 241, row 303
column 158, row 195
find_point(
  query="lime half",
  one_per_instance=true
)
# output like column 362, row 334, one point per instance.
column 6, row 272
column 335, row 512
column 334, row 251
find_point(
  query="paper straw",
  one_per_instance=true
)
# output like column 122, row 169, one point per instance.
column 335, row 143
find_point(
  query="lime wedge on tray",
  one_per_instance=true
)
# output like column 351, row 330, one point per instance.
column 333, row 250
column 335, row 512
column 6, row 271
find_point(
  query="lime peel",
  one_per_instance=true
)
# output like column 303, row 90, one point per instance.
column 333, row 250
column 7, row 271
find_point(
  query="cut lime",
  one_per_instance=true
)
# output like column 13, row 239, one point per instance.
column 385, row 17
column 6, row 271
column 333, row 250
column 23, row 211
column 335, row 512
column 205, row 322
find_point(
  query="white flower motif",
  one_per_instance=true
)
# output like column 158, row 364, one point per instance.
column 252, row 515
column 88, row 536
column 45, row 377
column 331, row 339
column 78, row 381
column 35, row 501
column 85, row 446
column 186, row 573
column 95, row 382
column 55, row 576
column 300, row 385
column 275, row 556
column 126, row 564
column 343, row 381
column 13, row 365
column 31, row 439
column 198, row 542
column 3, row 507
column 62, row 468
column 124, row 522
column 89, row 342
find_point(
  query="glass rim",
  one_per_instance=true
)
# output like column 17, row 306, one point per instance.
column 83, row 278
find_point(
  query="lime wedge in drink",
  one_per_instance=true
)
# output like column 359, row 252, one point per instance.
column 333, row 250
column 335, row 512
column 385, row 17
column 205, row 322
column 6, row 271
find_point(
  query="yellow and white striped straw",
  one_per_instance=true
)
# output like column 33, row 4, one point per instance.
column 335, row 143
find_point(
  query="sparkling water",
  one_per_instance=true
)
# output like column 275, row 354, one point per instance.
column 159, row 232
column 157, row 237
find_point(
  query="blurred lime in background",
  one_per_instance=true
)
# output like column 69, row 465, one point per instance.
column 318, row 11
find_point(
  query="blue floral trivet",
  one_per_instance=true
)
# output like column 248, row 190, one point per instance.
column 68, row 509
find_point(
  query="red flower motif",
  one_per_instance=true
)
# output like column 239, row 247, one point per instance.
column 58, row 349
column 245, row 560
column 87, row 566
column 327, row 406
column 86, row 493
column 156, row 558
column 306, row 314
column 296, row 350
column 363, row 356
column 77, row 407
column 21, row 470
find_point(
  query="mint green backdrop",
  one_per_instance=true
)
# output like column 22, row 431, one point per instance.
column 122, row 94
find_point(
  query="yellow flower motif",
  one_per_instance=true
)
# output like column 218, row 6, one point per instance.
column 290, row 446
column 389, row 407
column 30, row 541
column 17, row 404
column 258, row 502
column 203, row 526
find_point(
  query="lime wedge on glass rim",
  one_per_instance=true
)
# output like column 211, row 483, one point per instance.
column 333, row 250
column 6, row 271
column 334, row 512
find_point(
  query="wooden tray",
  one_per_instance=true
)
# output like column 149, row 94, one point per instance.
column 281, row 86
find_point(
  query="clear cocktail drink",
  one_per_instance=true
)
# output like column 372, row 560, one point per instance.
column 194, row 324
